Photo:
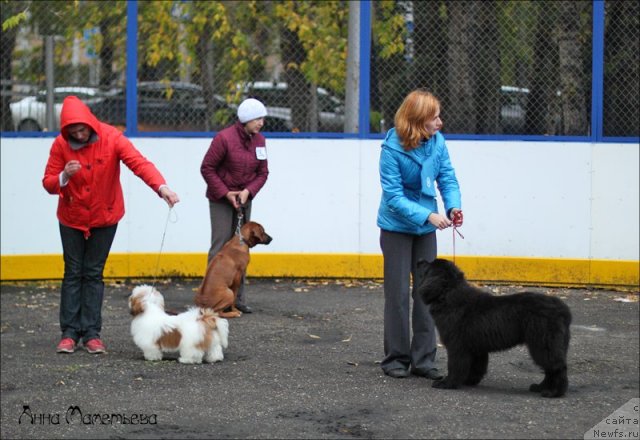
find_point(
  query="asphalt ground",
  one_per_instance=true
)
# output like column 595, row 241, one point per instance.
column 305, row 364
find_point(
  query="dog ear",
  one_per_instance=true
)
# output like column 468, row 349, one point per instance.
column 136, row 306
column 209, row 318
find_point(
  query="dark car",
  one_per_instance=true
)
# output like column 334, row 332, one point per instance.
column 275, row 97
column 174, row 106
column 170, row 106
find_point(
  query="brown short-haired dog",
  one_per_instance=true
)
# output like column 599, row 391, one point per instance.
column 224, row 274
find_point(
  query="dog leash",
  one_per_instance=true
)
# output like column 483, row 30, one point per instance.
column 239, row 224
column 457, row 221
column 164, row 233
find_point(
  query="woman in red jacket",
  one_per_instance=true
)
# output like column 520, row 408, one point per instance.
column 235, row 168
column 83, row 170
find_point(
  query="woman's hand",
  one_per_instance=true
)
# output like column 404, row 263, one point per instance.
column 456, row 217
column 72, row 167
column 244, row 196
column 169, row 196
column 439, row 221
column 238, row 198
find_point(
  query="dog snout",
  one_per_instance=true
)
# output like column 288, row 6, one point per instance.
column 266, row 238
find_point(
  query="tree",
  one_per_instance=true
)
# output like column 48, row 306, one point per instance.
column 567, row 35
column 622, row 70
column 460, row 102
column 313, row 39
column 486, row 74
column 11, row 14
column 388, row 85
column 541, row 105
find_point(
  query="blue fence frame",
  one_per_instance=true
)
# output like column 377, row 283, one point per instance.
column 597, row 91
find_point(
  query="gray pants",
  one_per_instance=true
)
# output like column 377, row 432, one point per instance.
column 401, row 253
column 224, row 220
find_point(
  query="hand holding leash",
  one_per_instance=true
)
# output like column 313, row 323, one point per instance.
column 457, row 218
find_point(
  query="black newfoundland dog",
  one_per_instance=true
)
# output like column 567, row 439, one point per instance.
column 473, row 323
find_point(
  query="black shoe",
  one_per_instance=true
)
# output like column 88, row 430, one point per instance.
column 397, row 373
column 244, row 308
column 432, row 373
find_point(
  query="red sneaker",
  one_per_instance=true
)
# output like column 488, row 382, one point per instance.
column 66, row 345
column 95, row 346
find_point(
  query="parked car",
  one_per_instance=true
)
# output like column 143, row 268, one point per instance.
column 173, row 106
column 275, row 98
column 30, row 113
column 513, row 109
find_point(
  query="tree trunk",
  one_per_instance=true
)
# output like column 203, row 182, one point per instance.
column 572, row 99
column 486, row 75
column 297, row 86
column 7, row 44
column 542, row 112
column 622, row 76
column 430, row 46
column 204, row 51
column 459, row 111
column 107, row 75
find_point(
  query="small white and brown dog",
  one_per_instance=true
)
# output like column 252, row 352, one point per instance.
column 197, row 334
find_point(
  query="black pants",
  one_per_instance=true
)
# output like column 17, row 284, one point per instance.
column 83, row 287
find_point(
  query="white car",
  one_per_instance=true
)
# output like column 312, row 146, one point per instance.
column 30, row 113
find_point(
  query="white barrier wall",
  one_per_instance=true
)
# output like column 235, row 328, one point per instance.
column 520, row 199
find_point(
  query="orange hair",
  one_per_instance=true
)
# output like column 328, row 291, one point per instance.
column 418, row 108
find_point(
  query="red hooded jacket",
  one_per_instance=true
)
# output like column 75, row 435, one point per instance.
column 93, row 196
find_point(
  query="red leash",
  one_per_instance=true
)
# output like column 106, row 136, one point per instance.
column 457, row 221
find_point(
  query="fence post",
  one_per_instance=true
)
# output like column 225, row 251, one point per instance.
column 132, row 68
column 49, row 69
column 365, row 68
column 597, row 72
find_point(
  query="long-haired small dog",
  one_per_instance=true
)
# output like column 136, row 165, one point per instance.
column 197, row 334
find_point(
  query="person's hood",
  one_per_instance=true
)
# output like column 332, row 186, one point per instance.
column 393, row 141
column 74, row 111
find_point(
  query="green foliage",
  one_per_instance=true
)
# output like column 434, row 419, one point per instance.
column 14, row 21
column 321, row 27
column 390, row 28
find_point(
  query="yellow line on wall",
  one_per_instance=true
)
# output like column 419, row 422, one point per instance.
column 517, row 270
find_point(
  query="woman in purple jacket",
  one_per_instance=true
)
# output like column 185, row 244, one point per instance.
column 235, row 169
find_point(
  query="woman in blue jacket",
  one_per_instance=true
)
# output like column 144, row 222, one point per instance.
column 413, row 159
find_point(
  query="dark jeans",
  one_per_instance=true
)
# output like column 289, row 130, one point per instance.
column 82, row 287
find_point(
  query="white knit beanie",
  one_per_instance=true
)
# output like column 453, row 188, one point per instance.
column 251, row 109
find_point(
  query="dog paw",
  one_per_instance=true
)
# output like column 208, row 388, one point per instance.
column 444, row 384
column 153, row 357
column 535, row 387
column 551, row 393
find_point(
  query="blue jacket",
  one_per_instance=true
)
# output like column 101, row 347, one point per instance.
column 408, row 184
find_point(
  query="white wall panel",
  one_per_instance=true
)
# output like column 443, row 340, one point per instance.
column 523, row 199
